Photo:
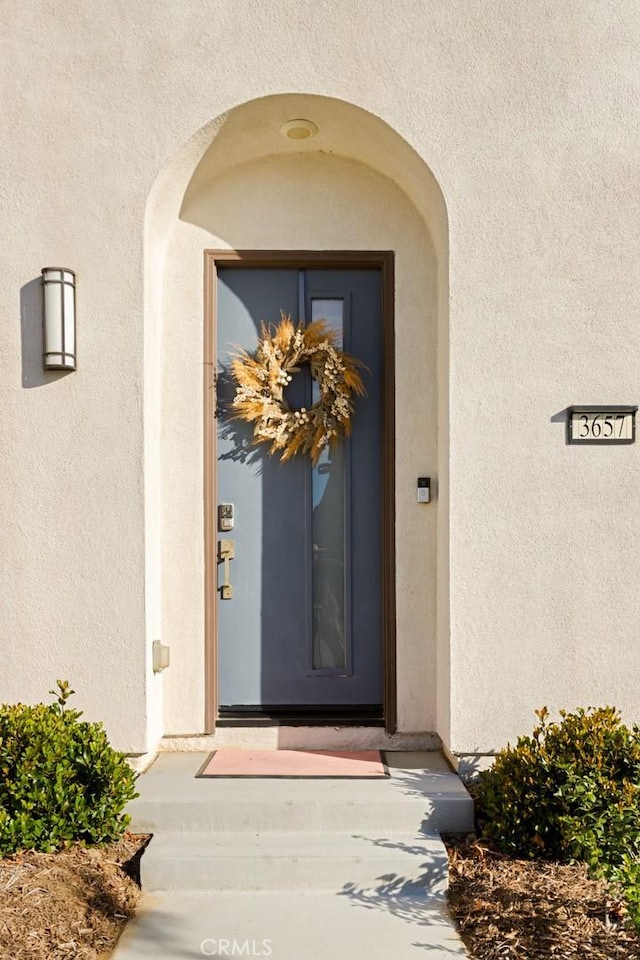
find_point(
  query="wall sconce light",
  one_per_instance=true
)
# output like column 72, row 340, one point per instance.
column 59, row 318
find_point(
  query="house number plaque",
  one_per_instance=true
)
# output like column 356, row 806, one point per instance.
column 602, row 424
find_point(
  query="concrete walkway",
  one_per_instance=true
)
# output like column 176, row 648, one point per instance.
column 296, row 869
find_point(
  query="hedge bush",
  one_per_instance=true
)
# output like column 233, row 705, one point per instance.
column 570, row 792
column 60, row 780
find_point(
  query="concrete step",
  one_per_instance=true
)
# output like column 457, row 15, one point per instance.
column 452, row 816
column 297, row 869
column 422, row 796
column 388, row 921
column 292, row 861
column 302, row 737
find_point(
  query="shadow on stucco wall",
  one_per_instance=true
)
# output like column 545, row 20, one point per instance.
column 33, row 374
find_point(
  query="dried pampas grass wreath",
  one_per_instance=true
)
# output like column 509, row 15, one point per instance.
column 261, row 378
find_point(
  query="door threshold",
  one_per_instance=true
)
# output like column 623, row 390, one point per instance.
column 300, row 715
column 298, row 721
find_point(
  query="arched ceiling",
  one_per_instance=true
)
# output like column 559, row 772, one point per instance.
column 253, row 130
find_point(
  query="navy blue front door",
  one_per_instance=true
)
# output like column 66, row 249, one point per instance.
column 303, row 627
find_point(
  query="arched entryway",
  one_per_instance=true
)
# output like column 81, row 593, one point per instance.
column 356, row 185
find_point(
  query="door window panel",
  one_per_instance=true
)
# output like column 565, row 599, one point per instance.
column 331, row 635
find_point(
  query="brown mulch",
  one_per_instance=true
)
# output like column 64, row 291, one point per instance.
column 509, row 909
column 69, row 905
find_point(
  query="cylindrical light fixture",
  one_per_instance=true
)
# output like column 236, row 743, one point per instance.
column 59, row 318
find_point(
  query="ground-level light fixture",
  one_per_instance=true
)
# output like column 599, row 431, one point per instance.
column 299, row 129
column 59, row 318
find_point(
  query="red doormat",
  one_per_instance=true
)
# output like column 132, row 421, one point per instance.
column 295, row 764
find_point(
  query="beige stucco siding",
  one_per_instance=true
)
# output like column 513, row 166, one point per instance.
column 526, row 116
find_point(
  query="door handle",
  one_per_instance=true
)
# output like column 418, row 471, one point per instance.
column 226, row 553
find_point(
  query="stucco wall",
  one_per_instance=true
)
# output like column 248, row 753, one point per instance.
column 527, row 116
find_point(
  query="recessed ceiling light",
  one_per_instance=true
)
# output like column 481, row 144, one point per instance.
column 298, row 129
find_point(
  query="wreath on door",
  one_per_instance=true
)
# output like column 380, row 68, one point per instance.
column 262, row 376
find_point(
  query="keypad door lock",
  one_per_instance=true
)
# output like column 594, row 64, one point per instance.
column 225, row 517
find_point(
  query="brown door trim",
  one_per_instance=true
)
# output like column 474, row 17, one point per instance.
column 301, row 259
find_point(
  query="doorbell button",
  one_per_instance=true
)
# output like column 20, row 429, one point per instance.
column 423, row 490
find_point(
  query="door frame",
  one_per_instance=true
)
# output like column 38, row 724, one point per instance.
column 382, row 260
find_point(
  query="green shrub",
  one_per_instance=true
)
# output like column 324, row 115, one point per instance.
column 570, row 792
column 60, row 780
